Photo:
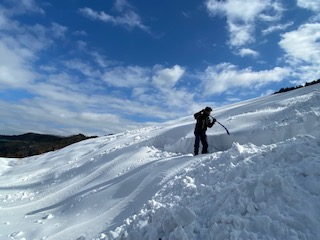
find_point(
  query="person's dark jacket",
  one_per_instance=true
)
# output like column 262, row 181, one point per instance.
column 203, row 122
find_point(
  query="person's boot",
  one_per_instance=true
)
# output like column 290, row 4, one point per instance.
column 204, row 151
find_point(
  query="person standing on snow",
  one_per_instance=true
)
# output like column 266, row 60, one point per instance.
column 203, row 122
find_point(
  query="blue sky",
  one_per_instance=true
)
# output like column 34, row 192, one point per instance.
column 104, row 66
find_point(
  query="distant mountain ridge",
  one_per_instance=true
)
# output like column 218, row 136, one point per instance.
column 29, row 144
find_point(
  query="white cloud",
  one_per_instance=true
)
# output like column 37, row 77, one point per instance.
column 151, row 87
column 305, row 73
column 102, row 16
column 245, row 11
column 303, row 44
column 3, row 20
column 313, row 5
column 20, row 44
column 226, row 76
column 82, row 67
column 167, row 77
column 178, row 99
column 43, row 116
column 127, row 77
column 167, row 93
column 29, row 6
column 101, row 60
column 273, row 12
column 237, row 10
column 248, row 52
column 80, row 33
column 122, row 5
column 242, row 16
column 137, row 77
column 60, row 89
column 14, row 72
column 58, row 30
column 18, row 7
column 240, row 34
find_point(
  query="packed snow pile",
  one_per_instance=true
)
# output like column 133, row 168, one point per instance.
column 247, row 192
column 260, row 182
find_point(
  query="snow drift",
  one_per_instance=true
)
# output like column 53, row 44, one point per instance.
column 261, row 182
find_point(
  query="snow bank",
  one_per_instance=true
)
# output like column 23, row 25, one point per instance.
column 247, row 192
column 263, row 125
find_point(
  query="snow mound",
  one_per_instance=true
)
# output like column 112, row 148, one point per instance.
column 261, row 182
column 247, row 192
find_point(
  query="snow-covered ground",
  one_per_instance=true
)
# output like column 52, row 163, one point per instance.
column 260, row 182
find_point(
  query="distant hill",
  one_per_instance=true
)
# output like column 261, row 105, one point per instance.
column 29, row 144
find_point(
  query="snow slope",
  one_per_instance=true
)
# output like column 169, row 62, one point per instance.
column 261, row 182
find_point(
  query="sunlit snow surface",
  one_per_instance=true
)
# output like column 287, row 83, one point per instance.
column 261, row 182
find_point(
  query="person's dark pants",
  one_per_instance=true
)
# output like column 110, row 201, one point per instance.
column 203, row 138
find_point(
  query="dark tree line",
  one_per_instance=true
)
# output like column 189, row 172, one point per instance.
column 29, row 144
column 296, row 87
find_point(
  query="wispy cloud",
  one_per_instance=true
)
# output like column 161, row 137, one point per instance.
column 58, row 30
column 126, row 17
column 277, row 27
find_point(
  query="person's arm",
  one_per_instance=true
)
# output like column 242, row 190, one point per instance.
column 211, row 122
